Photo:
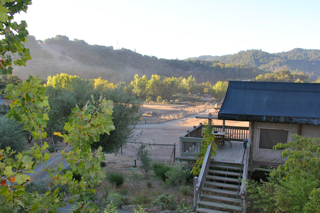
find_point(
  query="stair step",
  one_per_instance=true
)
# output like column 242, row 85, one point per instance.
column 235, row 180
column 224, row 172
column 204, row 210
column 220, row 191
column 225, row 185
column 220, row 205
column 225, row 166
column 221, row 198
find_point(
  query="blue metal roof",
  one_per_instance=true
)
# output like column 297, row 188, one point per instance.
column 277, row 102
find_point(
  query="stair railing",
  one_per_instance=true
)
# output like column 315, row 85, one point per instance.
column 199, row 182
column 245, row 163
column 241, row 170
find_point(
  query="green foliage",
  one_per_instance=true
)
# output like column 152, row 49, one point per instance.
column 14, row 34
column 284, row 76
column 39, row 186
column 116, row 178
column 185, row 190
column 149, row 184
column 110, row 208
column 175, row 176
column 141, row 198
column 166, row 201
column 208, row 137
column 160, row 169
column 219, row 89
column 183, row 208
column 134, row 179
column 159, row 99
column 145, row 161
column 11, row 134
column 116, row 199
column 51, row 149
column 293, row 186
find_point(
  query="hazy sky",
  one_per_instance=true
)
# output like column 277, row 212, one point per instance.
column 180, row 28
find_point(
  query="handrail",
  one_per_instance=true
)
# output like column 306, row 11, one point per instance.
column 244, row 152
column 198, row 182
column 245, row 172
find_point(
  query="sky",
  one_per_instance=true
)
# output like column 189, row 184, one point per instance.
column 179, row 29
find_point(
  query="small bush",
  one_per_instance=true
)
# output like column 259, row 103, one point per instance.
column 11, row 134
column 149, row 184
column 51, row 149
column 185, row 190
column 116, row 199
column 166, row 201
column 159, row 99
column 116, row 178
column 188, row 175
column 63, row 189
column 39, row 186
column 175, row 176
column 134, row 179
column 123, row 191
column 160, row 170
column 102, row 164
column 141, row 199
column 110, row 208
column 145, row 160
column 183, row 208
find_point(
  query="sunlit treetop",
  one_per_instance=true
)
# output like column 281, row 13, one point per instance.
column 13, row 35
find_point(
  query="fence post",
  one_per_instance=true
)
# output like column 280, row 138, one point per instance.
column 174, row 152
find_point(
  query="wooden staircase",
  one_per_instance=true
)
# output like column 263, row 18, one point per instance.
column 220, row 191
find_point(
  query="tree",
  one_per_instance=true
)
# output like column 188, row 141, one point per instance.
column 220, row 89
column 139, row 86
column 12, row 48
column 293, row 186
column 11, row 134
column 159, row 99
column 154, row 86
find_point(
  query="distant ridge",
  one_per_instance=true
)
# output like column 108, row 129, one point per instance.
column 296, row 60
column 59, row 54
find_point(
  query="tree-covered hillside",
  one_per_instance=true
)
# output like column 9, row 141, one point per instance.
column 296, row 60
column 59, row 54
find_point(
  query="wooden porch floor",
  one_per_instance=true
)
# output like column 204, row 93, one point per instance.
column 230, row 154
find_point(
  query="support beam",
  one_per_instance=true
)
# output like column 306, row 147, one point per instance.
column 300, row 129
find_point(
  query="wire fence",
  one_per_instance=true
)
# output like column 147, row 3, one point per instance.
column 183, row 114
column 163, row 152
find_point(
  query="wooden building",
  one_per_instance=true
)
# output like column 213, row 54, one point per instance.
column 276, row 111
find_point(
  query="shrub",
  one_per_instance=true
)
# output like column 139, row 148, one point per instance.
column 145, row 160
column 188, row 175
column 102, row 164
column 149, row 184
column 185, row 190
column 160, row 170
column 11, row 134
column 134, row 178
column 51, row 149
column 141, row 199
column 39, row 186
column 116, row 199
column 175, row 176
column 63, row 189
column 159, row 99
column 116, row 178
column 183, row 208
column 166, row 201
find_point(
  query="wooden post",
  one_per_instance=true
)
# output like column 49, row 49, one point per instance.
column 251, row 139
column 299, row 129
column 223, row 125
column 174, row 152
column 195, row 195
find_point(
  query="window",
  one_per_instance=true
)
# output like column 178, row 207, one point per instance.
column 271, row 137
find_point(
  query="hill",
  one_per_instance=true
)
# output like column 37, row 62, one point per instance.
column 296, row 60
column 59, row 54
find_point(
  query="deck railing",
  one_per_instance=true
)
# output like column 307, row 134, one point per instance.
column 190, row 142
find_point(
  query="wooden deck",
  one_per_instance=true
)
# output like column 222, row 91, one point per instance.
column 227, row 154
